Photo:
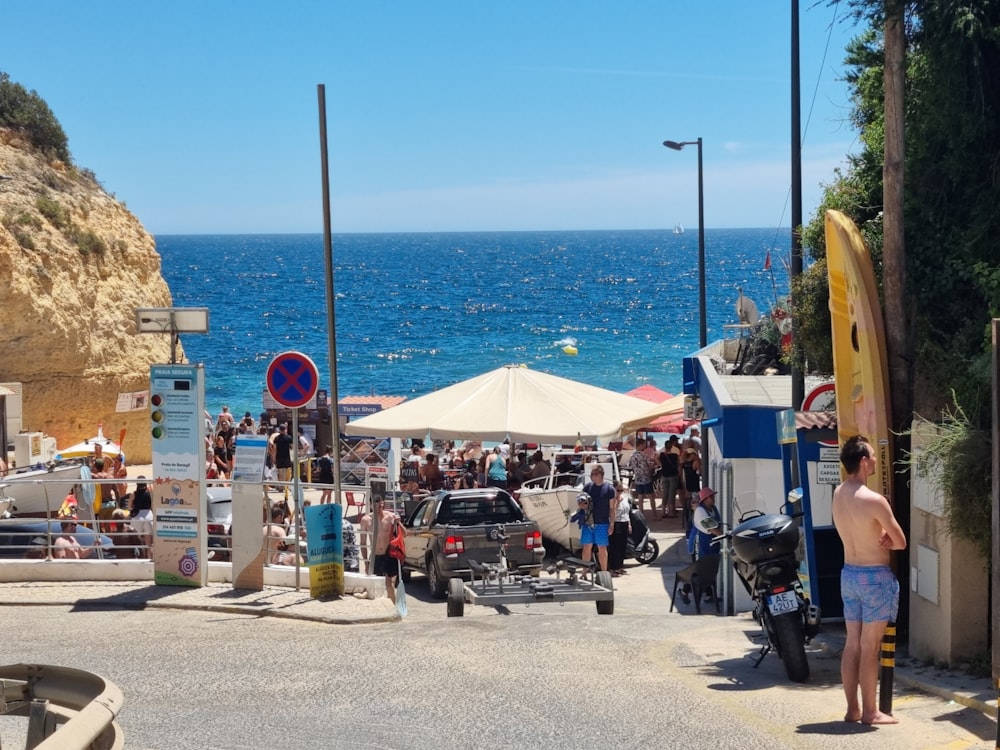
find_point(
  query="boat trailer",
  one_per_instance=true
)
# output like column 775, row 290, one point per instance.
column 569, row 579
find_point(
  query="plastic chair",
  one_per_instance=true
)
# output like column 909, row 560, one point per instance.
column 356, row 500
column 700, row 576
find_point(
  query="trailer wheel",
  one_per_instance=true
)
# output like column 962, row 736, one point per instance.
column 456, row 597
column 603, row 579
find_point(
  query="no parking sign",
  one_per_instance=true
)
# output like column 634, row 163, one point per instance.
column 292, row 379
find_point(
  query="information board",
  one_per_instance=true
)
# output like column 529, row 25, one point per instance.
column 177, row 405
column 325, row 548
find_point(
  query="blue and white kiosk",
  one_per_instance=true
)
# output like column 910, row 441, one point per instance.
column 759, row 454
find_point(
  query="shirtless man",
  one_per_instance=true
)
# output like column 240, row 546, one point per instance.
column 119, row 471
column 104, row 491
column 383, row 520
column 275, row 539
column 66, row 546
column 868, row 588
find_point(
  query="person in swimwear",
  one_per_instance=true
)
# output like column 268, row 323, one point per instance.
column 868, row 588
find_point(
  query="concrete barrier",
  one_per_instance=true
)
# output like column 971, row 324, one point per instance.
column 67, row 709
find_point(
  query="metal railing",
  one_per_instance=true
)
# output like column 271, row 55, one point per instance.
column 120, row 539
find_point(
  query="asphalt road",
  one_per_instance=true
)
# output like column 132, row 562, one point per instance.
column 545, row 676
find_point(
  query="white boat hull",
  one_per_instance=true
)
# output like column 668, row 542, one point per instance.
column 551, row 510
column 32, row 493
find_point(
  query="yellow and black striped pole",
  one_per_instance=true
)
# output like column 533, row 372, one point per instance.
column 887, row 667
column 996, row 742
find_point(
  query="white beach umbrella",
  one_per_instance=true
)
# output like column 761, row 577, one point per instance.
column 510, row 402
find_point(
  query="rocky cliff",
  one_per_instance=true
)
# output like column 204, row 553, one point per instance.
column 74, row 266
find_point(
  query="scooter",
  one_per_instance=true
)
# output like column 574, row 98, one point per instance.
column 640, row 544
column 764, row 547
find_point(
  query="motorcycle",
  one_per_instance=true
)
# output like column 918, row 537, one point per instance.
column 640, row 545
column 763, row 547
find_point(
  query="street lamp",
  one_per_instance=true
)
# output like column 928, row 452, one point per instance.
column 172, row 320
column 702, row 324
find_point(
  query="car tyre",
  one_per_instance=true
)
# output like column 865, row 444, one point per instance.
column 437, row 584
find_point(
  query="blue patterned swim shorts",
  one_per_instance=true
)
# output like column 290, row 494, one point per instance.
column 870, row 593
column 597, row 535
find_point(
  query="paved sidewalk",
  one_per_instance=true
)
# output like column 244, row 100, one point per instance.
column 271, row 602
column 977, row 693
column 951, row 684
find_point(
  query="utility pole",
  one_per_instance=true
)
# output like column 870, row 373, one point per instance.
column 896, row 313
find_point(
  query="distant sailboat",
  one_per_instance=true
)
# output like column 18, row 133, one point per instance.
column 678, row 229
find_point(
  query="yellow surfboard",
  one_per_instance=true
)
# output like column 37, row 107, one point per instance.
column 860, row 364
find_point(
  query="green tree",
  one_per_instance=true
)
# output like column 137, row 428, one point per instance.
column 26, row 112
column 952, row 190
column 951, row 222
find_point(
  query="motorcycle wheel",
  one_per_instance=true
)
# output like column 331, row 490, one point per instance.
column 790, row 643
column 649, row 552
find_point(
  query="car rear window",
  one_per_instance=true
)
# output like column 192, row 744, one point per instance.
column 470, row 511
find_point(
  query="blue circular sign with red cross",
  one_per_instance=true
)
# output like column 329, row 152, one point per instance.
column 292, row 379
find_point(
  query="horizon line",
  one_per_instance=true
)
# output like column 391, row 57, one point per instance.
column 668, row 230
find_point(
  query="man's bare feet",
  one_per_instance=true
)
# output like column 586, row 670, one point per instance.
column 879, row 718
column 852, row 716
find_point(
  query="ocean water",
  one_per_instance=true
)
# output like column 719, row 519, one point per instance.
column 418, row 312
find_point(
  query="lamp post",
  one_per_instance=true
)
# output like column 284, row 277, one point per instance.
column 702, row 323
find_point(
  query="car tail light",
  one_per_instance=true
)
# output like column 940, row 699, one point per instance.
column 533, row 540
column 217, row 529
column 454, row 545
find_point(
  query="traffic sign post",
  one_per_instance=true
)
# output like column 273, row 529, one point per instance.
column 292, row 381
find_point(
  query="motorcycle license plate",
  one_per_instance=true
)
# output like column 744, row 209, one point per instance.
column 786, row 601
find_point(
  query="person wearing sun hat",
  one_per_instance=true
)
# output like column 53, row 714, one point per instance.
column 705, row 524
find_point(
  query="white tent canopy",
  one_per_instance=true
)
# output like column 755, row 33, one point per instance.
column 510, row 402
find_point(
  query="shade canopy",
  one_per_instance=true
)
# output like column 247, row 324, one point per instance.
column 673, row 421
column 510, row 402
column 668, row 416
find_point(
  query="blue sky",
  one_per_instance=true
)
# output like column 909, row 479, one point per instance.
column 442, row 115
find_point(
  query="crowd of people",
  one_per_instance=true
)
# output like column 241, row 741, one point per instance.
column 672, row 474
column 220, row 445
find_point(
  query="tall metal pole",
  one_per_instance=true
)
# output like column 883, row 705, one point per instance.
column 702, row 316
column 798, row 379
column 331, row 316
column 995, row 562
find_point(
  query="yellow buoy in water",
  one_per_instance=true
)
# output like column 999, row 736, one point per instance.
column 570, row 350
